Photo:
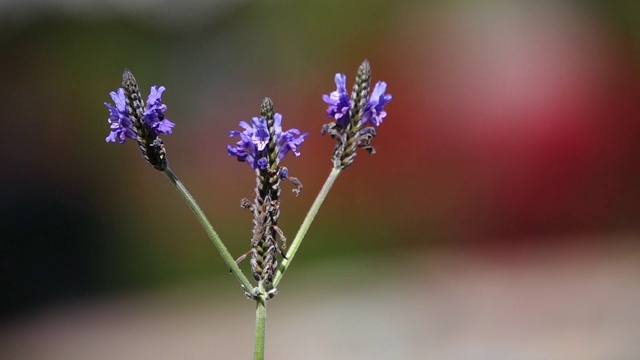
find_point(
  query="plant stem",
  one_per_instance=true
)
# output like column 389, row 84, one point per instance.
column 261, row 327
column 215, row 239
column 333, row 175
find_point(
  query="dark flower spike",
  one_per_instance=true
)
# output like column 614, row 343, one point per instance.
column 263, row 145
column 129, row 118
column 353, row 114
column 360, row 93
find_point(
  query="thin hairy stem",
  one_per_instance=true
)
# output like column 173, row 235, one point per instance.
column 333, row 175
column 206, row 225
column 261, row 327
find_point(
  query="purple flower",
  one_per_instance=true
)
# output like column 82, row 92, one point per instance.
column 121, row 123
column 154, row 114
column 253, row 140
column 339, row 102
column 374, row 109
column 289, row 140
column 252, row 146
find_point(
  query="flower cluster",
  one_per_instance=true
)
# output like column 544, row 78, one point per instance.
column 262, row 145
column 130, row 118
column 356, row 115
column 251, row 148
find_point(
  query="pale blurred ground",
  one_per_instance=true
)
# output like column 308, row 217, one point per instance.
column 556, row 303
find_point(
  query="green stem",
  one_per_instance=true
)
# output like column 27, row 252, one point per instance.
column 333, row 175
column 261, row 327
column 215, row 239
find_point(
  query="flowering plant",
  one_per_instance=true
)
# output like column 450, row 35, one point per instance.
column 263, row 145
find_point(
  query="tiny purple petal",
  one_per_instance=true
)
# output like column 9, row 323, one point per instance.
column 263, row 163
column 119, row 99
column 232, row 151
column 155, row 98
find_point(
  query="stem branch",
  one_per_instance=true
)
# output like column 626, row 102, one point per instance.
column 215, row 239
column 333, row 175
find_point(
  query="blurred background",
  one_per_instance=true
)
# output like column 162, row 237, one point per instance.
column 499, row 219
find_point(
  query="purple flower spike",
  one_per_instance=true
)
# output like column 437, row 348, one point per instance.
column 263, row 145
column 130, row 118
column 121, row 123
column 366, row 105
column 154, row 114
column 374, row 110
column 339, row 101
